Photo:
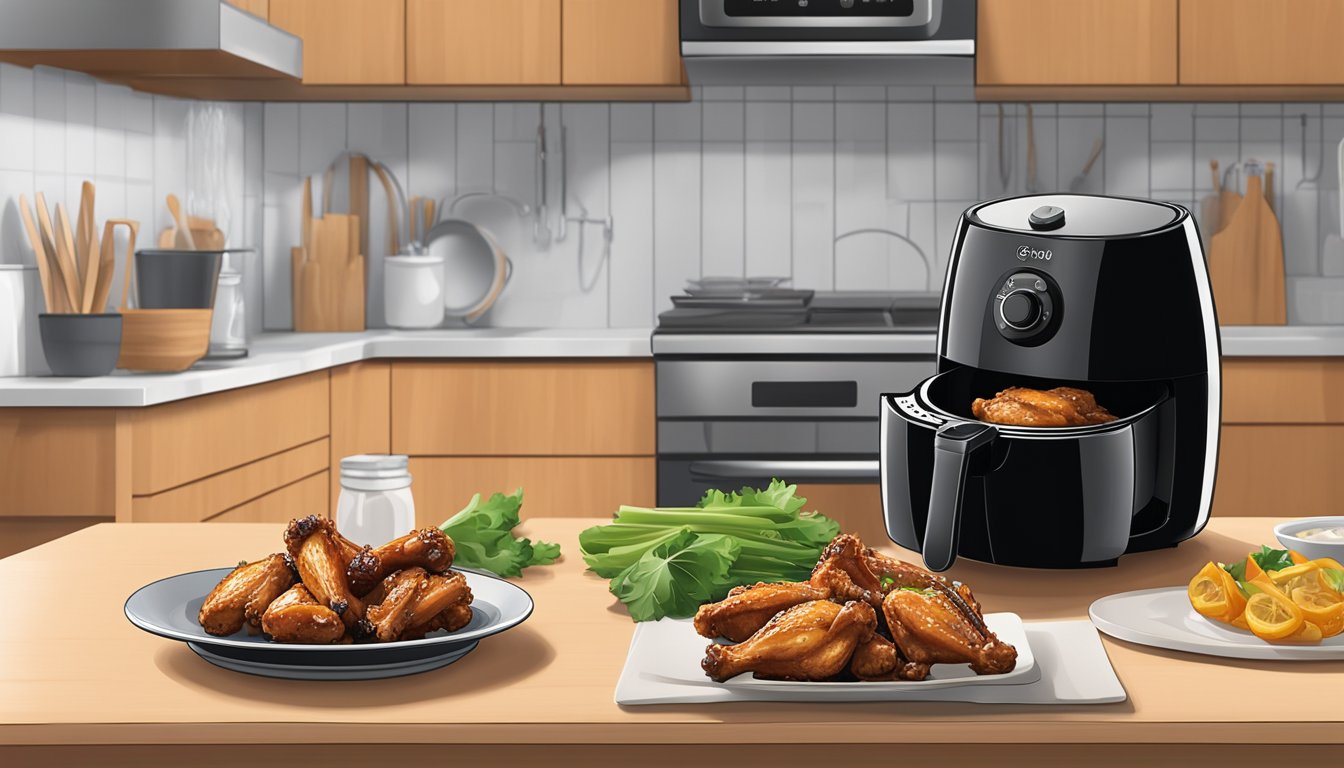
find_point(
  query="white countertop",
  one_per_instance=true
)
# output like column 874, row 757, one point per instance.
column 280, row 355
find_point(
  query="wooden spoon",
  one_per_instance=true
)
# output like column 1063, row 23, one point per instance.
column 183, row 238
column 39, row 253
column 65, row 251
column 67, row 276
column 86, row 245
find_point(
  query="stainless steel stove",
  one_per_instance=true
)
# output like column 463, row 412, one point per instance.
column 766, row 381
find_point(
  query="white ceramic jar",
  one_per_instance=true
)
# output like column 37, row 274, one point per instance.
column 20, row 302
column 375, row 505
column 413, row 291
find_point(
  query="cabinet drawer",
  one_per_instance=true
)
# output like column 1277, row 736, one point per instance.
column 466, row 42
column 621, row 42
column 1251, row 42
column 180, row 442
column 523, row 408
column 347, row 42
column 1283, row 391
column 59, row 462
column 1076, row 42
column 552, row 487
column 1279, row 471
column 215, row 494
column 305, row 497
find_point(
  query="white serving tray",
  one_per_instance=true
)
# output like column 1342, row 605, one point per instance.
column 662, row 667
column 1163, row 618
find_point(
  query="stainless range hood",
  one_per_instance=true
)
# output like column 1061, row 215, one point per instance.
column 146, row 39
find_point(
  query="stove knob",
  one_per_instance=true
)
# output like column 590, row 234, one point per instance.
column 1020, row 310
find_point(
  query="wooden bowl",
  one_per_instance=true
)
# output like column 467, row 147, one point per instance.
column 163, row 340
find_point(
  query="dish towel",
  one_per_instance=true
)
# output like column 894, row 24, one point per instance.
column 1074, row 669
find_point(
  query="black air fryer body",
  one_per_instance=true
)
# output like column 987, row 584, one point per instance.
column 1107, row 294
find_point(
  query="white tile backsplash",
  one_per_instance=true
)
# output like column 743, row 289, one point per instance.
column 755, row 180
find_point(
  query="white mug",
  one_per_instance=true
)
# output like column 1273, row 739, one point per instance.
column 413, row 291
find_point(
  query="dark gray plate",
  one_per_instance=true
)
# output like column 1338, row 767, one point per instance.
column 169, row 607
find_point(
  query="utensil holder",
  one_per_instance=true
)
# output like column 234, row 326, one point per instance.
column 81, row 345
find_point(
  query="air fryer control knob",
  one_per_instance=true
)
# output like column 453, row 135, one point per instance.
column 1020, row 309
column 1024, row 307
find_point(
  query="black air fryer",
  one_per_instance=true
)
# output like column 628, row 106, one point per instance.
column 1106, row 294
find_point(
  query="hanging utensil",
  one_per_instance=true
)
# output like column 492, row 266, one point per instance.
column 1033, row 183
column 1081, row 178
column 1310, row 178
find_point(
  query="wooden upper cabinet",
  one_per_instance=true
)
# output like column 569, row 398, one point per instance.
column 1078, row 42
column 347, row 42
column 1251, row 42
column 621, row 42
column 483, row 42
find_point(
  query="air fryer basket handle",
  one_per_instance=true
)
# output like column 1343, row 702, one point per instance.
column 954, row 452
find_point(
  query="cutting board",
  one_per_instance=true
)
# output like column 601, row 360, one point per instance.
column 1246, row 263
column 328, row 276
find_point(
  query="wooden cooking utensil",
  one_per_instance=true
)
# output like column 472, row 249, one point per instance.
column 65, row 253
column 183, row 238
column 64, row 282
column 1229, row 196
column 1209, row 205
column 359, row 199
column 1246, row 263
column 306, row 228
column 86, row 245
column 107, row 260
column 39, row 254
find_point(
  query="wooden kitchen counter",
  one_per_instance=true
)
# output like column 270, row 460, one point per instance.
column 79, row 684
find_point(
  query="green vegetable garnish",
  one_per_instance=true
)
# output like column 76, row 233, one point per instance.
column 1335, row 578
column 1272, row 559
column 886, row 582
column 1237, row 570
column 483, row 533
column 653, row 555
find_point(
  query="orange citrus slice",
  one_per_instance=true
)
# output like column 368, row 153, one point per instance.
column 1272, row 616
column 1307, row 634
column 1322, row 607
column 1214, row 594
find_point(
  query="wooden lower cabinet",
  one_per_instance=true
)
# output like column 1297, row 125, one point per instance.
column 1280, row 470
column 226, row 491
column 553, row 486
column 304, row 497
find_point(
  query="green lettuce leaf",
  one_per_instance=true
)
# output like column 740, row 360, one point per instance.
column 677, row 576
column 1272, row 559
column 483, row 534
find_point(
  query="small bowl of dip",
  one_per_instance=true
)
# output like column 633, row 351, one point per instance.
column 1313, row 536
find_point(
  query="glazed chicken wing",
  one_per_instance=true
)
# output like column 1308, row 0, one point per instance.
column 935, row 626
column 848, row 570
column 747, row 609
column 812, row 641
column 879, row 659
column 243, row 596
column 415, row 600
column 1058, row 407
column 428, row 548
column 318, row 558
column 296, row 617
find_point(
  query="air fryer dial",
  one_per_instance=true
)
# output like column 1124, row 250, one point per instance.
column 1025, row 307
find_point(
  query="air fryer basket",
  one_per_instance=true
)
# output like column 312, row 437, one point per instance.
column 1034, row 496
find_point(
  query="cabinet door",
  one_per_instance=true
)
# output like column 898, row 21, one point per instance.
column 1251, row 42
column 1076, row 42
column 467, row 42
column 621, row 42
column 260, row 8
column 347, row 42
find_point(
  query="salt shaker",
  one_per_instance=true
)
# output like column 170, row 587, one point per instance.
column 375, row 505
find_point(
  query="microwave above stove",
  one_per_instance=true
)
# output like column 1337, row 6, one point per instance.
column 840, row 41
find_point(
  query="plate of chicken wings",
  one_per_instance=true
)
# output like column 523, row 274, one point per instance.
column 327, row 609
column 863, row 621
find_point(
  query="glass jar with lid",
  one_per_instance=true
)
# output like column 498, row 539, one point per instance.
column 375, row 505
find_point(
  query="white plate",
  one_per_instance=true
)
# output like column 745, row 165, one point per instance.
column 1163, row 618
column 671, row 654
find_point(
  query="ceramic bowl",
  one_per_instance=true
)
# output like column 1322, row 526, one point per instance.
column 1287, row 532
column 80, row 345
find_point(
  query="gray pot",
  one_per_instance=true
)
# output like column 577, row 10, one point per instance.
column 167, row 279
column 81, row 345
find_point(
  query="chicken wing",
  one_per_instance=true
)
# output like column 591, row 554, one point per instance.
column 848, row 570
column 428, row 548
column 318, row 559
column 812, row 641
column 879, row 659
column 747, row 609
column 297, row 617
column 935, row 626
column 243, row 596
column 1058, row 407
column 417, row 602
